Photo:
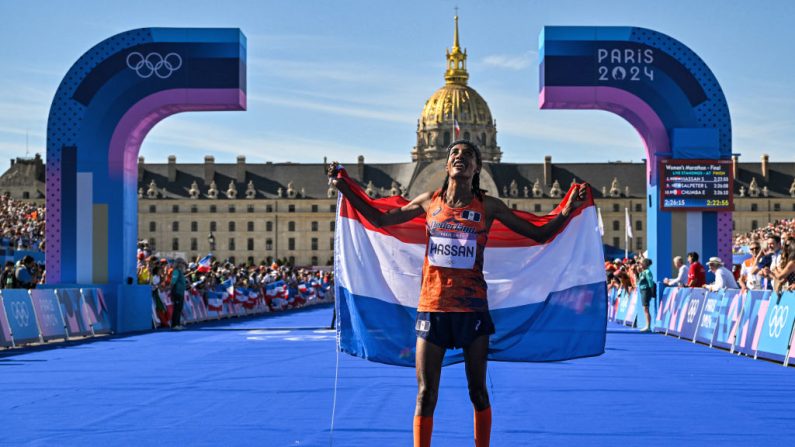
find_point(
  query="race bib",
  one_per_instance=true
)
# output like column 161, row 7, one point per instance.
column 452, row 252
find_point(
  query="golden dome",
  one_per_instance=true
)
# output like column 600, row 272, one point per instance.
column 463, row 101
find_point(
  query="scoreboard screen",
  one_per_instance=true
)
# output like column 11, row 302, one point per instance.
column 696, row 185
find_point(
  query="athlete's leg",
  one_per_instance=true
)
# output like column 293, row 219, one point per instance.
column 475, row 361
column 429, row 369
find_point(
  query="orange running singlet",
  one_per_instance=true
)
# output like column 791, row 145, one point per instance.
column 452, row 274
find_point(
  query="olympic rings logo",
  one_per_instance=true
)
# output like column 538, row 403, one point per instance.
column 154, row 64
column 20, row 313
column 691, row 311
column 777, row 320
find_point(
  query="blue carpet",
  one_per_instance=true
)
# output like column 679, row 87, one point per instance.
column 269, row 382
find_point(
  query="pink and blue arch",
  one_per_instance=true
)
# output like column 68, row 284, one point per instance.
column 103, row 109
column 668, row 94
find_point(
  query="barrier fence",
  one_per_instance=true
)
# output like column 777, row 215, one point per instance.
column 757, row 323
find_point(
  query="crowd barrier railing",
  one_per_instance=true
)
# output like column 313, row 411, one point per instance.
column 40, row 315
column 757, row 323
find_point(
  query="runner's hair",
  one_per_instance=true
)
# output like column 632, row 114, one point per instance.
column 476, row 190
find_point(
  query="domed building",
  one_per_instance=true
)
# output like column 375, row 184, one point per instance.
column 455, row 111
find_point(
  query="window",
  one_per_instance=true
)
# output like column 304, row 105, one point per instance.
column 194, row 209
column 639, row 243
column 314, row 226
column 152, row 243
column 466, row 135
column 290, row 208
column 638, row 224
column 331, row 243
column 332, row 208
column 616, row 225
column 446, row 141
column 616, row 208
column 483, row 138
column 615, row 242
column 331, row 225
column 152, row 209
column 314, row 208
column 26, row 194
column 250, row 226
column 537, row 207
column 314, row 260
column 175, row 243
column 174, row 208
column 194, row 244
column 314, row 244
column 232, row 208
column 776, row 207
column 291, row 260
column 734, row 224
column 152, row 227
column 268, row 208
column 194, row 226
column 213, row 209
column 175, row 226
column 249, row 208
column 291, row 226
column 291, row 243
column 213, row 226
column 268, row 226
column 232, row 226
column 250, row 244
column 231, row 243
column 754, row 225
column 250, row 260
column 638, row 207
column 513, row 206
column 268, row 244
column 754, row 207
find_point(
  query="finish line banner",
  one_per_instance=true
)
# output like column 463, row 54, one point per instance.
column 548, row 301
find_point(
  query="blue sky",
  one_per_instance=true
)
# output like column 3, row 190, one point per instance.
column 344, row 78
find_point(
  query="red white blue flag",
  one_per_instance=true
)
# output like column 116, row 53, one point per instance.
column 548, row 300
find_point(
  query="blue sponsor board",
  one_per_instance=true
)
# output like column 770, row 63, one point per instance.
column 97, row 310
column 611, row 304
column 753, row 318
column 632, row 309
column 623, row 306
column 664, row 312
column 728, row 316
column 5, row 330
column 21, row 316
column 777, row 327
column 709, row 318
column 678, row 311
column 48, row 313
column 692, row 317
column 74, row 316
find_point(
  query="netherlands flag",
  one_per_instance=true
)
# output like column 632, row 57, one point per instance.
column 548, row 301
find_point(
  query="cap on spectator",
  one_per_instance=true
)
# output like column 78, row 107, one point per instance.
column 715, row 260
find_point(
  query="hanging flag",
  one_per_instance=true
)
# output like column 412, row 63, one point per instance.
column 548, row 300
column 457, row 129
column 628, row 223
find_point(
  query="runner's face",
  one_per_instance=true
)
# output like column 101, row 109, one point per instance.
column 462, row 162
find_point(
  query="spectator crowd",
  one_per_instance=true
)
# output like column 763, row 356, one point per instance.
column 21, row 224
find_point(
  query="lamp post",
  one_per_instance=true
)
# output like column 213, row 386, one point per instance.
column 211, row 240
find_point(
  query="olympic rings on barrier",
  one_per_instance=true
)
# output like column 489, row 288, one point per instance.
column 154, row 63
column 20, row 313
column 778, row 318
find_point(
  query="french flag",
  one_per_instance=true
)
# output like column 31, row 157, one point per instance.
column 548, row 301
column 204, row 264
column 215, row 301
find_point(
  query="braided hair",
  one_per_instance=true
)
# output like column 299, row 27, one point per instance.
column 476, row 191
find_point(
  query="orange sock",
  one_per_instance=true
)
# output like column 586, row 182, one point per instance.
column 423, row 427
column 482, row 427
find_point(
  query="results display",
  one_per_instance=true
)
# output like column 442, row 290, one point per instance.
column 696, row 185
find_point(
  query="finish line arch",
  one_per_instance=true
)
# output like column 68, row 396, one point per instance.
column 102, row 111
column 669, row 95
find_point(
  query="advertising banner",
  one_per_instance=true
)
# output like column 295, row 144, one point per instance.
column 73, row 313
column 729, row 314
column 48, row 313
column 753, row 317
column 96, row 310
column 693, row 315
column 709, row 318
column 632, row 309
column 777, row 327
column 611, row 304
column 5, row 330
column 198, row 304
column 623, row 305
column 21, row 316
column 664, row 311
column 679, row 312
